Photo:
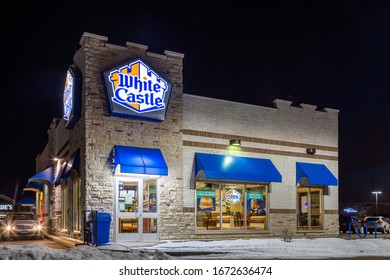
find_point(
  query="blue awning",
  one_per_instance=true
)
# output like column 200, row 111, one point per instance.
column 44, row 177
column 73, row 163
column 35, row 187
column 26, row 201
column 140, row 160
column 316, row 174
column 236, row 168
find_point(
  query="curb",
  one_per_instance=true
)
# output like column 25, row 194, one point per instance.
column 66, row 241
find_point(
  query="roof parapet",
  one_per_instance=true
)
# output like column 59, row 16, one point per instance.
column 91, row 35
column 132, row 45
column 308, row 107
column 331, row 111
column 175, row 54
column 282, row 104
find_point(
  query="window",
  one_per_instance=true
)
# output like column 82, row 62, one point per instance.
column 309, row 203
column 64, row 207
column 76, row 206
column 228, row 206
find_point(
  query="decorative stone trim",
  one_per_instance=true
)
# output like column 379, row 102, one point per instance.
column 283, row 211
column 257, row 140
column 256, row 150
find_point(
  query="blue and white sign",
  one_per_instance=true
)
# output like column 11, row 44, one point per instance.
column 134, row 89
column 71, row 99
column 232, row 196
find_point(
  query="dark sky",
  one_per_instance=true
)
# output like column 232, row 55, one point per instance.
column 325, row 53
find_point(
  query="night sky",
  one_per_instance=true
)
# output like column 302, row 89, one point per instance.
column 325, row 53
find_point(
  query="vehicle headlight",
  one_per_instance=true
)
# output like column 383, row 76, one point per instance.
column 39, row 227
column 8, row 228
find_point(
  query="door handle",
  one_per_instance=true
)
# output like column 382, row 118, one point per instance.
column 138, row 214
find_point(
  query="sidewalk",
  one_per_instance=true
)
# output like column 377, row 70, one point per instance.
column 71, row 243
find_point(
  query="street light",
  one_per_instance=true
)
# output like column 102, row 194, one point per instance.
column 376, row 200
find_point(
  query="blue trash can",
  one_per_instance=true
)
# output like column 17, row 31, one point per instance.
column 101, row 229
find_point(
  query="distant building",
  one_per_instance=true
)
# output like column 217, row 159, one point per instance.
column 6, row 204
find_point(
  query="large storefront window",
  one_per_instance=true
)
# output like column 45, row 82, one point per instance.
column 309, row 202
column 227, row 207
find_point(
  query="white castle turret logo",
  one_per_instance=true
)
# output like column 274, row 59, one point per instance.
column 138, row 88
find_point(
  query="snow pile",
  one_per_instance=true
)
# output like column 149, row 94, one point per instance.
column 273, row 248
column 82, row 252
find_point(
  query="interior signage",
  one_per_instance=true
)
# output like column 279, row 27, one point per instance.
column 134, row 89
column 232, row 196
column 71, row 98
column 205, row 200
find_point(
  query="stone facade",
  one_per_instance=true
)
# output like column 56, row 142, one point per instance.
column 100, row 131
column 193, row 124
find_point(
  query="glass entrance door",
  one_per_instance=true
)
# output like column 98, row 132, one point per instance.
column 136, row 209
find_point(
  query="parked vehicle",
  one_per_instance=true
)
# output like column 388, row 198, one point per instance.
column 382, row 225
column 344, row 224
column 21, row 225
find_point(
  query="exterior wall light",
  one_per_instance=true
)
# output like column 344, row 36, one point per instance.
column 235, row 142
column 310, row 151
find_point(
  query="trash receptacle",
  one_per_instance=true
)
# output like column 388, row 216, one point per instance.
column 101, row 229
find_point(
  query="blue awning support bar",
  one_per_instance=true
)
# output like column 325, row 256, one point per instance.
column 314, row 174
column 225, row 167
column 140, row 160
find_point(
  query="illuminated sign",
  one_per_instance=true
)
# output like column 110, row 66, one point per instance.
column 71, row 98
column 232, row 196
column 6, row 207
column 350, row 210
column 134, row 89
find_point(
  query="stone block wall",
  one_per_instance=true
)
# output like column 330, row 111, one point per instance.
column 100, row 131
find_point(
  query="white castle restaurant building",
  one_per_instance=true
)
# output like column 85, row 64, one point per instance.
column 168, row 165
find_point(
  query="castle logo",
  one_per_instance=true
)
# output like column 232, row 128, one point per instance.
column 135, row 89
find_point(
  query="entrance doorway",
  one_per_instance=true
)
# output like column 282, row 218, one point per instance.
column 137, row 213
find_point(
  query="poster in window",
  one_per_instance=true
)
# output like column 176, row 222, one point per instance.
column 153, row 202
column 304, row 204
column 122, row 193
column 205, row 200
column 255, row 202
column 129, row 198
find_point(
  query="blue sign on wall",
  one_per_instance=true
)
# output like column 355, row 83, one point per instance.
column 72, row 92
column 134, row 89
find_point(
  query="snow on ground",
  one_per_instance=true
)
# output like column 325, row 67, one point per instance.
column 82, row 252
column 265, row 248
column 320, row 248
